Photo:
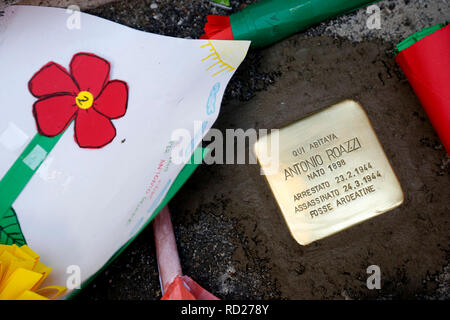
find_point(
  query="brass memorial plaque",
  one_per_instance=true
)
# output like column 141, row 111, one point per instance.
column 332, row 172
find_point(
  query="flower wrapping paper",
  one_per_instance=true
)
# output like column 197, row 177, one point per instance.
column 99, row 104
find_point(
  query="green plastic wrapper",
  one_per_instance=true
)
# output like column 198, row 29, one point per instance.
column 269, row 21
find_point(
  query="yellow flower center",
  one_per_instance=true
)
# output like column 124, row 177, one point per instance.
column 84, row 100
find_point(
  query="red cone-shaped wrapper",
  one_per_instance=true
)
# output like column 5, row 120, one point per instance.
column 184, row 288
column 218, row 28
column 177, row 291
column 174, row 285
column 426, row 64
column 198, row 292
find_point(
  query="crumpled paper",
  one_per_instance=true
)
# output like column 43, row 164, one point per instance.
column 22, row 274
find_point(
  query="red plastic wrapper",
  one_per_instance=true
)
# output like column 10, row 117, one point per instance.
column 184, row 288
column 174, row 285
column 218, row 28
column 426, row 64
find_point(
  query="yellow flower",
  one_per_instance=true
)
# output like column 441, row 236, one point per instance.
column 21, row 275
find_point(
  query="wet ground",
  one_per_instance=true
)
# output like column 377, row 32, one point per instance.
column 231, row 236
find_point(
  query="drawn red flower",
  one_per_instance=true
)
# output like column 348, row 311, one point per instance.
column 85, row 95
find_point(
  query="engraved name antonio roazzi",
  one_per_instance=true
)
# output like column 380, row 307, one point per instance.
column 327, row 196
column 333, row 152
